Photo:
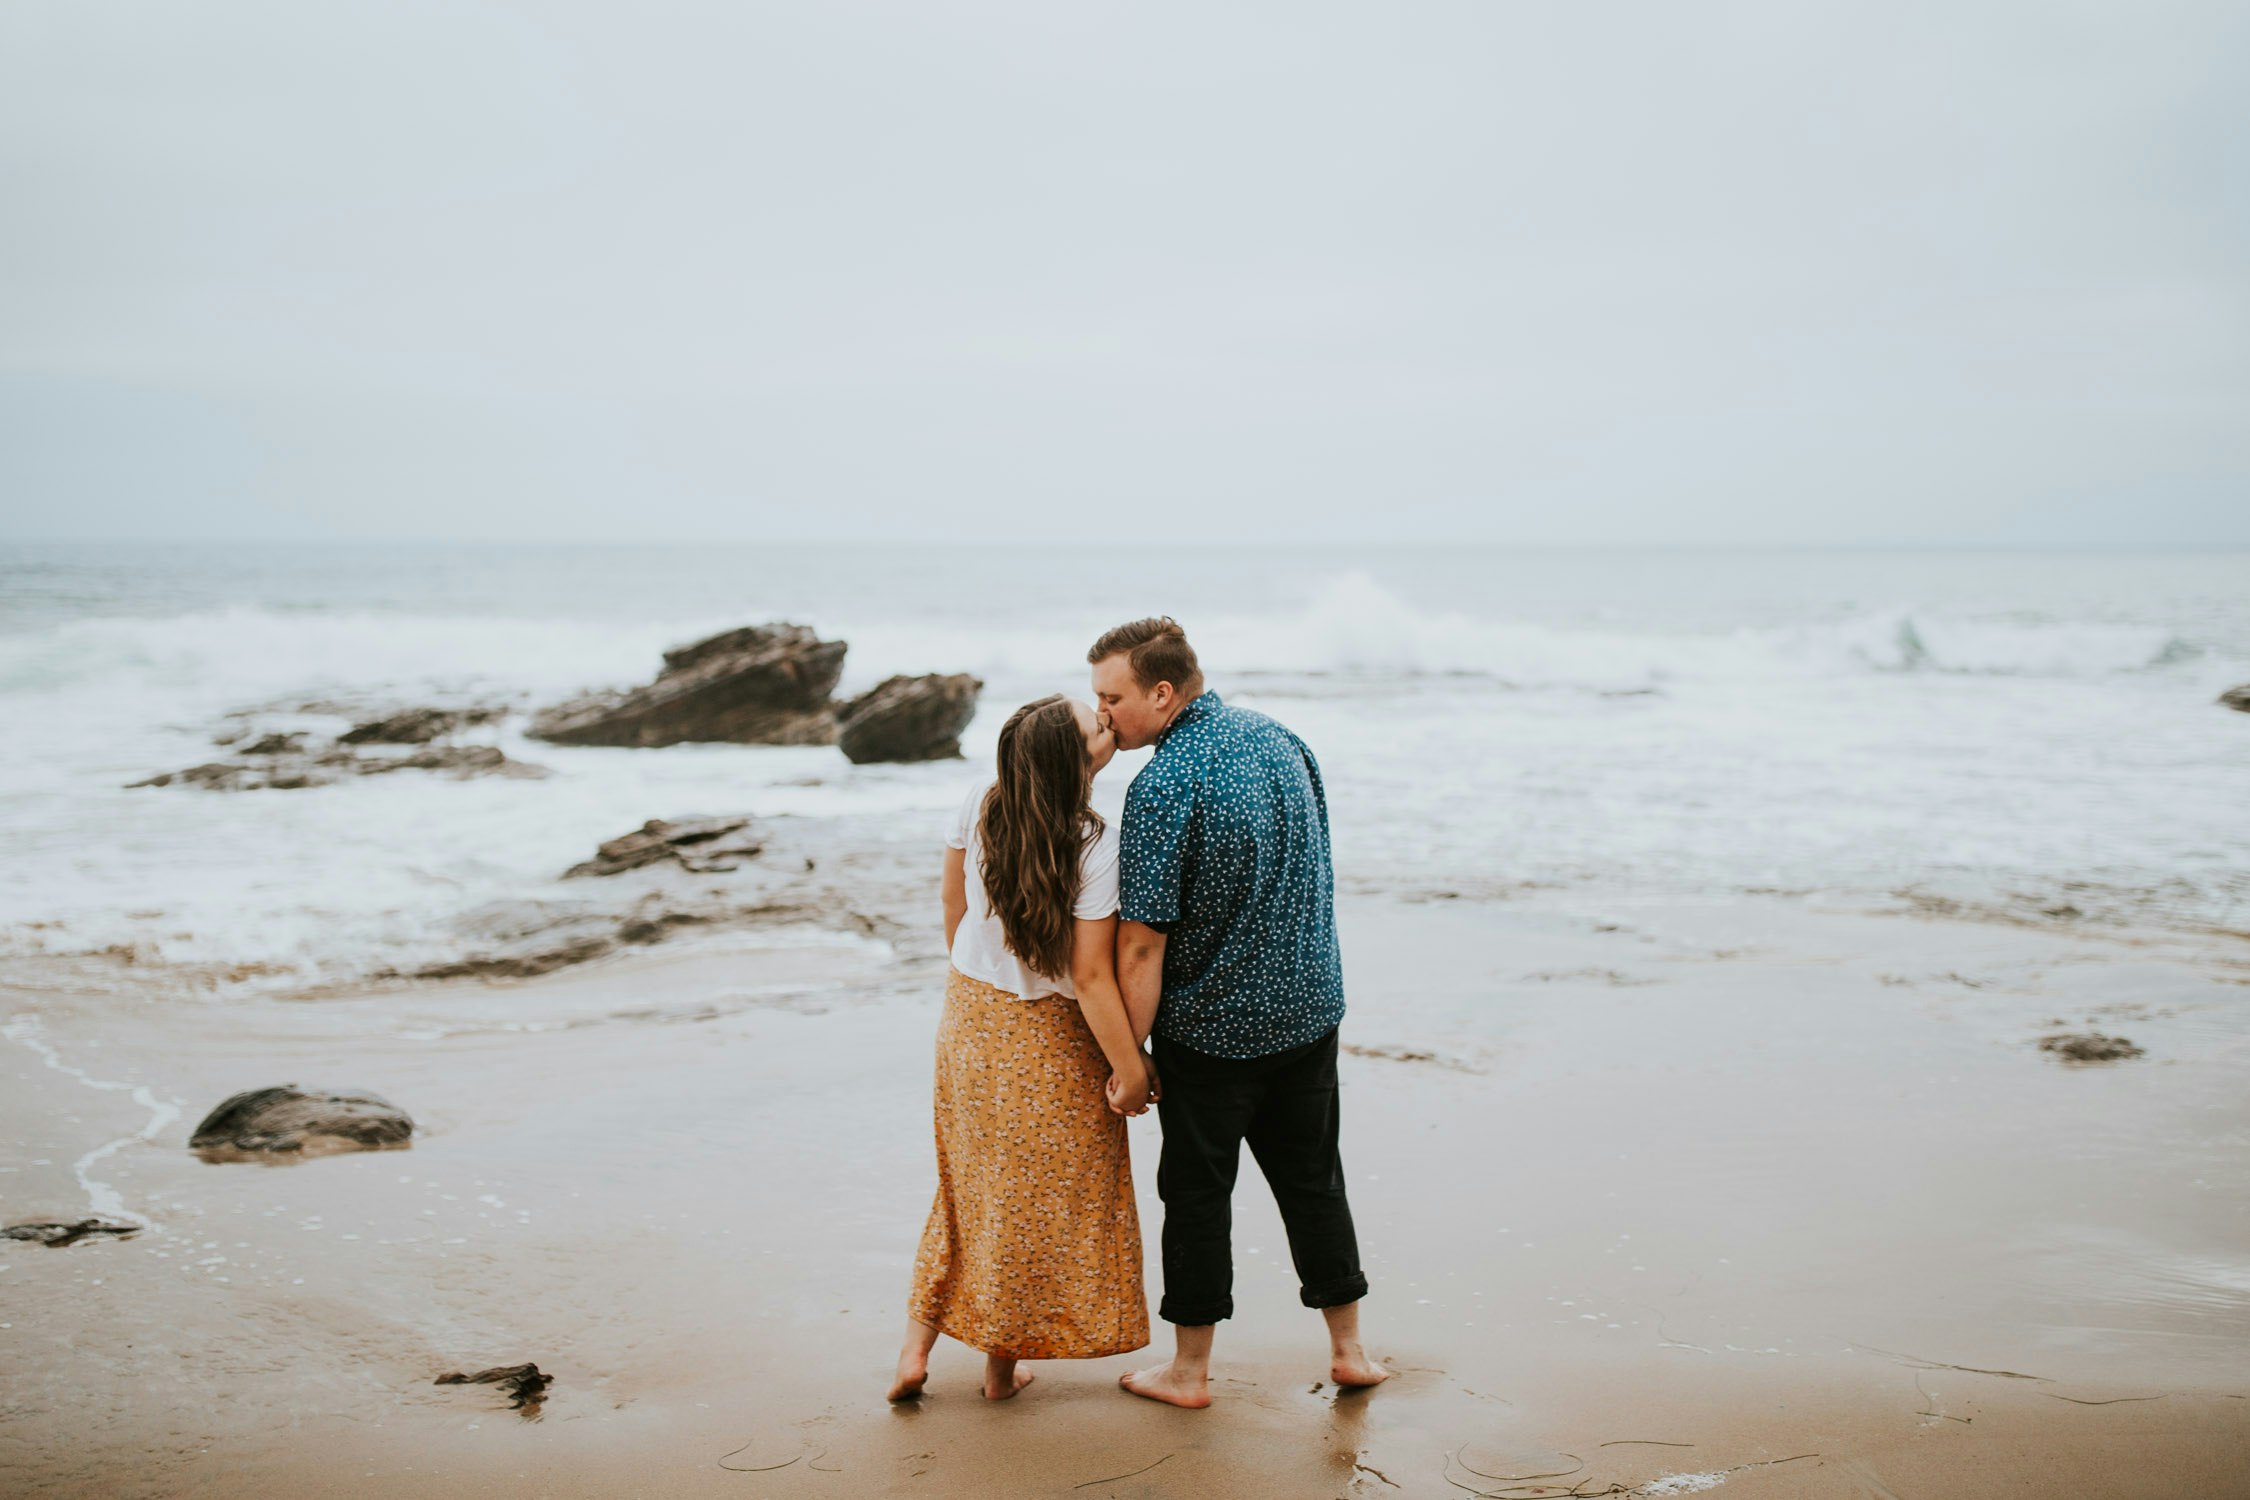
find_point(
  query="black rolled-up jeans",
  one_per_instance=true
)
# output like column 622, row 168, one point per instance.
column 1285, row 1106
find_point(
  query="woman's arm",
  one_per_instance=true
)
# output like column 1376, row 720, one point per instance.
column 1093, row 973
column 956, row 895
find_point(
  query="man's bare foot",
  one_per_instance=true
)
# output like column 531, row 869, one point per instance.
column 1166, row 1383
column 913, row 1371
column 1003, row 1381
column 1352, row 1369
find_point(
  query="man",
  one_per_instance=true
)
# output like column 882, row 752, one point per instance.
column 1227, row 939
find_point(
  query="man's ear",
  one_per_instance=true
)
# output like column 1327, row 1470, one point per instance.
column 1161, row 695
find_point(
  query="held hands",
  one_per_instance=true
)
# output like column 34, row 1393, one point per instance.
column 1130, row 1093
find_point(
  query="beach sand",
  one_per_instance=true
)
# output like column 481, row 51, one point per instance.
column 1674, row 1197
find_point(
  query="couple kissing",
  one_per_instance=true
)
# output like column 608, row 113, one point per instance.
column 1205, row 926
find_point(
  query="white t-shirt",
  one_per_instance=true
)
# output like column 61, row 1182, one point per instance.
column 980, row 948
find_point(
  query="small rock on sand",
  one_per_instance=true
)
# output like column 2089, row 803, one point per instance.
column 2088, row 1046
column 57, row 1233
column 524, row 1385
column 2236, row 698
column 287, row 1121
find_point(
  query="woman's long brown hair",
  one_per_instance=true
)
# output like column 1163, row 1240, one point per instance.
column 1034, row 824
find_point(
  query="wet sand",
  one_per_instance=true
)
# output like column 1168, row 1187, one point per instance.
column 1659, row 1196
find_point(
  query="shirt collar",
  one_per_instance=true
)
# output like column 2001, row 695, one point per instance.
column 1198, row 707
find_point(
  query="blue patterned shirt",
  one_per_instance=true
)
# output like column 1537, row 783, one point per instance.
column 1225, row 850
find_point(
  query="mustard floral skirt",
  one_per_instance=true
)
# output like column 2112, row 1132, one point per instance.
column 1033, row 1247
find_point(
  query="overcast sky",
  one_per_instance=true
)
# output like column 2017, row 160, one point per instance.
column 1565, row 273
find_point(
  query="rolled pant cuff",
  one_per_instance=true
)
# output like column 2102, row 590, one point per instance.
column 1334, row 1293
column 1192, row 1316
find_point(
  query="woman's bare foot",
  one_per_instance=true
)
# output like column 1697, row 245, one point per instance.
column 1170, row 1385
column 1352, row 1369
column 1002, row 1378
column 913, row 1371
column 913, row 1361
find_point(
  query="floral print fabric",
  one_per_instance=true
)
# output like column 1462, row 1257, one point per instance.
column 1033, row 1245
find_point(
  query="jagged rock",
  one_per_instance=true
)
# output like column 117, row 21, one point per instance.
column 59, row 1233
column 909, row 718
column 417, row 726
column 2089, row 1046
column 703, row 845
column 293, row 771
column 276, row 744
column 2236, row 698
column 288, row 1120
column 758, row 685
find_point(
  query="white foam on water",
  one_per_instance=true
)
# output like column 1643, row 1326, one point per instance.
column 1533, row 729
column 103, row 1199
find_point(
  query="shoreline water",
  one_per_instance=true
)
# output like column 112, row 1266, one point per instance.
column 1741, row 1175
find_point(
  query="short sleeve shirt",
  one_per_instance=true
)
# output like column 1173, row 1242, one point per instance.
column 1224, row 848
column 980, row 946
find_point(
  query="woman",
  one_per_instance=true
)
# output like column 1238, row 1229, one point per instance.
column 1033, row 1246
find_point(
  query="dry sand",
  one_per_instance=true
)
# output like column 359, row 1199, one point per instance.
column 1741, row 1197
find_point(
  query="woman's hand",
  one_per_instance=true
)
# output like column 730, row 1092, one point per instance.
column 1129, row 1092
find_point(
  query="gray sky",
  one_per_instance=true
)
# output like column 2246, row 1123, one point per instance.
column 1571, row 273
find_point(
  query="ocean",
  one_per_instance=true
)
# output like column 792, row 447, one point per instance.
column 2013, row 737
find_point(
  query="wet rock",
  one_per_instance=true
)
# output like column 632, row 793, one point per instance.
column 757, row 685
column 909, row 718
column 59, row 1233
column 525, row 1386
column 286, row 1120
column 418, row 726
column 276, row 744
column 2088, row 1047
column 289, row 771
column 703, row 845
column 457, row 761
column 2236, row 698
column 526, row 961
column 520, row 940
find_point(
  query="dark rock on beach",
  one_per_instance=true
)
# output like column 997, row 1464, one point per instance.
column 523, row 939
column 703, row 845
column 418, row 726
column 527, row 961
column 289, row 1121
column 909, row 718
column 2236, row 698
column 2088, row 1047
column 758, row 685
column 57, row 1234
column 525, row 1386
column 283, row 770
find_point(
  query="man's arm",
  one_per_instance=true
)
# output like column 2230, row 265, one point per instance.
column 1140, row 975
